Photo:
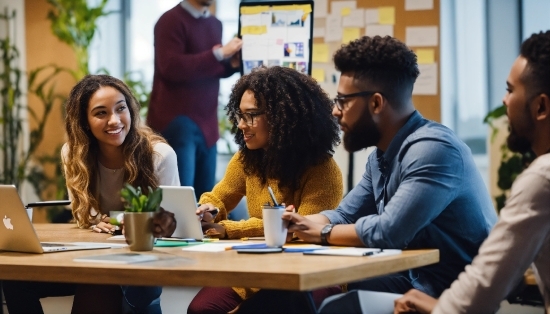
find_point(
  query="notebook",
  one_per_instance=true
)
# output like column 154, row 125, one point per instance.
column 17, row 233
column 181, row 201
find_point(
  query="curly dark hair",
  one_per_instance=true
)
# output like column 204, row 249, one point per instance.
column 384, row 62
column 536, row 75
column 302, row 133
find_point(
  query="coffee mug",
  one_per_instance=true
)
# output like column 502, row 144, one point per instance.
column 275, row 228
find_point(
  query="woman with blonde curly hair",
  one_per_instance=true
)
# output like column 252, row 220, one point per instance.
column 107, row 146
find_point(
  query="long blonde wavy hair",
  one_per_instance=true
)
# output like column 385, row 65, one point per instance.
column 81, row 162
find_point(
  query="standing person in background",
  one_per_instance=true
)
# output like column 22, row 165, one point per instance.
column 189, row 61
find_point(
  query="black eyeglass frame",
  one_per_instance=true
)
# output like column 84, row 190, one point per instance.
column 340, row 97
column 242, row 115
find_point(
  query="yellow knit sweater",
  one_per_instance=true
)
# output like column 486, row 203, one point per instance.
column 320, row 188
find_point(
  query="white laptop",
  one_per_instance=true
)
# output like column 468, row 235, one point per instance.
column 181, row 201
column 17, row 233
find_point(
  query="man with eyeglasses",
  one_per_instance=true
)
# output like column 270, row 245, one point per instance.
column 420, row 189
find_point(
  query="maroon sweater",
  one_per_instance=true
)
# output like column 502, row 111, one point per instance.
column 186, row 79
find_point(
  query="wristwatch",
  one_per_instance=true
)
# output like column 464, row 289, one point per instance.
column 325, row 232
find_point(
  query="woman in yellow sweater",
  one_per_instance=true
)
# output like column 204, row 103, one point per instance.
column 286, row 135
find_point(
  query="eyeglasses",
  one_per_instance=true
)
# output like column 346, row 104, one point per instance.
column 248, row 117
column 340, row 100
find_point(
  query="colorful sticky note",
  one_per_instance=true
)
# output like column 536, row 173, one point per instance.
column 254, row 30
column 386, row 15
column 345, row 11
column 318, row 75
column 425, row 56
column 254, row 9
column 292, row 7
column 320, row 53
column 350, row 33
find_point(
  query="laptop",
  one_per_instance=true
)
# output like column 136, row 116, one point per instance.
column 181, row 201
column 17, row 233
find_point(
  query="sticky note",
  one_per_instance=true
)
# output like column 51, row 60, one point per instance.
column 292, row 7
column 254, row 30
column 386, row 15
column 318, row 75
column 425, row 56
column 320, row 53
column 254, row 9
column 350, row 33
column 345, row 11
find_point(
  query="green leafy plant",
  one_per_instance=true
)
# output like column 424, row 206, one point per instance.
column 511, row 164
column 75, row 23
column 137, row 202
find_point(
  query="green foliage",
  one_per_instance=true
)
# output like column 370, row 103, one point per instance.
column 75, row 24
column 137, row 202
column 511, row 164
column 11, row 118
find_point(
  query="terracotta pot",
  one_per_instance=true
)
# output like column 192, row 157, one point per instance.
column 138, row 230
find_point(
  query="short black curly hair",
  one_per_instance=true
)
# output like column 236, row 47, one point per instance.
column 536, row 75
column 383, row 62
column 302, row 133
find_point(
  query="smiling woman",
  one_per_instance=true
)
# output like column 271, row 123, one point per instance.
column 107, row 146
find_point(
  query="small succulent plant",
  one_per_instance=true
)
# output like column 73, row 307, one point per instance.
column 137, row 202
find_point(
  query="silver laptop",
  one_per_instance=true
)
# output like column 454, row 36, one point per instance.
column 181, row 201
column 17, row 233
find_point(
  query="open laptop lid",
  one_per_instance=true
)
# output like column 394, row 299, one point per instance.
column 17, row 233
column 276, row 33
column 181, row 201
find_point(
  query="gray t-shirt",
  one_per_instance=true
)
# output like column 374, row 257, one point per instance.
column 111, row 180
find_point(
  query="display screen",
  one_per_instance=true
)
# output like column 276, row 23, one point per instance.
column 276, row 34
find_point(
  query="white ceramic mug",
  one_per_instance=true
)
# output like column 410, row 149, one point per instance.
column 275, row 228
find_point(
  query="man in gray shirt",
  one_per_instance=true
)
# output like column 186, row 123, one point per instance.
column 522, row 234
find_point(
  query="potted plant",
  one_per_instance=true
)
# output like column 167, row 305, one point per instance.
column 511, row 164
column 138, row 216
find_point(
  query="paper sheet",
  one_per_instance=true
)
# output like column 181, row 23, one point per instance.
column 421, row 36
column 318, row 75
column 356, row 18
column 337, row 6
column 320, row 53
column 426, row 83
column 350, row 33
column 412, row 5
column 386, row 15
column 318, row 32
column 371, row 16
column 333, row 29
column 320, row 8
column 425, row 56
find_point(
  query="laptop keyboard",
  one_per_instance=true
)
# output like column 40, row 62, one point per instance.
column 55, row 244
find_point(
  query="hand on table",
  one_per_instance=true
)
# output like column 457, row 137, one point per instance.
column 415, row 301
column 302, row 227
column 104, row 226
column 214, row 230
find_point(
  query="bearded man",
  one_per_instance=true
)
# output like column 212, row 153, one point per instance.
column 420, row 189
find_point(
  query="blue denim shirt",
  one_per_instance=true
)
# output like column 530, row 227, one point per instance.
column 423, row 192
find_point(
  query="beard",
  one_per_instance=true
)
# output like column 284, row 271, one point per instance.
column 205, row 3
column 518, row 143
column 363, row 134
column 518, row 140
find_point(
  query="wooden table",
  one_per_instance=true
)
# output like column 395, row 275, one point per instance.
column 286, row 271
